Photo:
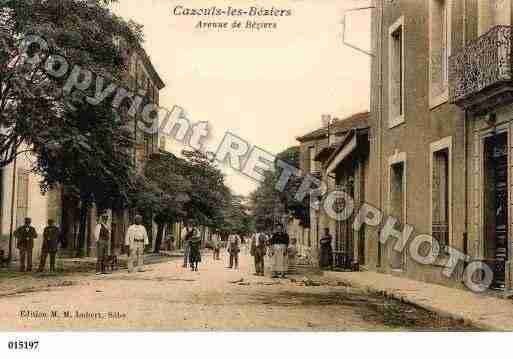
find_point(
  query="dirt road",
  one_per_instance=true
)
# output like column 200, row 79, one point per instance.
column 169, row 297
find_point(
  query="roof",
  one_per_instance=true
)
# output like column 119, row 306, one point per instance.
column 358, row 120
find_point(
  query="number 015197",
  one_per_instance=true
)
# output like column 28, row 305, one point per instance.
column 23, row 344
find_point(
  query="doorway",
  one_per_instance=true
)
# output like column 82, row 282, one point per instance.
column 397, row 209
column 496, row 206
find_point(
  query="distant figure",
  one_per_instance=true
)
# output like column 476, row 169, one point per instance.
column 216, row 247
column 257, row 250
column 136, row 238
column 102, row 237
column 51, row 235
column 195, row 252
column 170, row 242
column 4, row 261
column 292, row 255
column 187, row 247
column 233, row 250
column 326, row 260
column 25, row 236
column 279, row 243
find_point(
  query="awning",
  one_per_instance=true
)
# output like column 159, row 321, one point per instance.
column 344, row 150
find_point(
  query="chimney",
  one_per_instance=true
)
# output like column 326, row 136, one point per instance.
column 325, row 120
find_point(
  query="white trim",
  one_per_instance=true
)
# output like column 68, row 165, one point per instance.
column 397, row 120
column 439, row 99
column 396, row 158
column 444, row 143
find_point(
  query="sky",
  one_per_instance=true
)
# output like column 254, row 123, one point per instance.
column 266, row 86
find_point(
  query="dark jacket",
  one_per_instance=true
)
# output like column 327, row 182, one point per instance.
column 25, row 236
column 51, row 238
column 280, row 238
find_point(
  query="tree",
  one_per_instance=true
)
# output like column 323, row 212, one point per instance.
column 168, row 191
column 207, row 193
column 270, row 205
column 77, row 144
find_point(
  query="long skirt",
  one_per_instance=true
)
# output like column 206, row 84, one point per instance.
column 279, row 258
column 326, row 256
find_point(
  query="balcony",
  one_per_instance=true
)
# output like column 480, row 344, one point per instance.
column 480, row 76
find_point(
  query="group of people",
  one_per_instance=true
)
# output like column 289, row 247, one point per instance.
column 192, row 249
column 135, row 240
column 25, row 236
column 278, row 246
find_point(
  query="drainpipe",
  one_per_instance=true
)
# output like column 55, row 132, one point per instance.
column 379, row 115
column 13, row 191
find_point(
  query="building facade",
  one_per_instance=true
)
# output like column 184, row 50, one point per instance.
column 441, row 111
column 337, row 155
column 21, row 197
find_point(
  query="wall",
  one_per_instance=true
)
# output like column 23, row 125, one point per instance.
column 422, row 126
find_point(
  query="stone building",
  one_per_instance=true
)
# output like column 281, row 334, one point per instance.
column 440, row 157
column 334, row 154
column 20, row 194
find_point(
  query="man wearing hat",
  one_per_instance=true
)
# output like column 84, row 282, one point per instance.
column 25, row 236
column 136, row 238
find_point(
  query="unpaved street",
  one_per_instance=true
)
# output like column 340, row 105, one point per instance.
column 169, row 297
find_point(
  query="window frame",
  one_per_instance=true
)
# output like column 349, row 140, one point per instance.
column 437, row 146
column 393, row 120
column 436, row 100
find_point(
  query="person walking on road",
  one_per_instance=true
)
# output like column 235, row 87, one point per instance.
column 279, row 242
column 187, row 246
column 258, row 249
column 216, row 247
column 195, row 252
column 50, row 245
column 25, row 236
column 233, row 250
column 136, row 238
column 102, row 238
column 326, row 260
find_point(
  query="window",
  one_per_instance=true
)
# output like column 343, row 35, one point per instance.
column 441, row 191
column 22, row 196
column 311, row 157
column 439, row 50
column 396, row 74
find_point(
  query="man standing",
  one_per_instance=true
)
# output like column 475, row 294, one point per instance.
column 50, row 245
column 25, row 236
column 102, row 237
column 233, row 250
column 279, row 243
column 136, row 238
column 258, row 248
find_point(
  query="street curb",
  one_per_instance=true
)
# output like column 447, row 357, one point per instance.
column 479, row 324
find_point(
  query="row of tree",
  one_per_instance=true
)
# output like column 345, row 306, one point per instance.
column 271, row 205
column 89, row 149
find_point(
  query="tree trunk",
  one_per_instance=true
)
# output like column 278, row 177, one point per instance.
column 160, row 235
column 84, row 210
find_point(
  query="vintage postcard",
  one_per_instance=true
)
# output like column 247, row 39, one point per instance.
column 232, row 165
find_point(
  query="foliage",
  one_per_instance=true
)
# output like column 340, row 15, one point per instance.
column 82, row 146
column 269, row 205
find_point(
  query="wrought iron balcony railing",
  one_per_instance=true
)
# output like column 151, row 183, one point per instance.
column 480, row 75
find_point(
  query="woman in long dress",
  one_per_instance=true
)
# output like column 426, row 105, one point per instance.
column 326, row 260
column 195, row 252
column 279, row 243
